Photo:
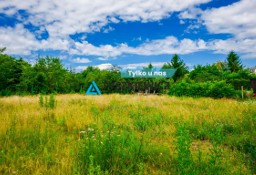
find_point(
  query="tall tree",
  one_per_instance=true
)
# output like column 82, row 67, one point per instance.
column 7, row 72
column 233, row 62
column 2, row 50
column 150, row 66
column 179, row 65
column 51, row 76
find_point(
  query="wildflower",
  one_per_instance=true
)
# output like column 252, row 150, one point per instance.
column 90, row 129
column 82, row 132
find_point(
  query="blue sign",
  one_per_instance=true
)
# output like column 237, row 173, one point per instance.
column 93, row 89
column 148, row 73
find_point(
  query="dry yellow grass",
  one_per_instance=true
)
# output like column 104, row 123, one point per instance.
column 75, row 113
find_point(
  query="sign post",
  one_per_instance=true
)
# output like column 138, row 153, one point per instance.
column 93, row 89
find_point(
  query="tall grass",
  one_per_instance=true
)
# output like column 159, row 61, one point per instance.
column 111, row 151
column 47, row 102
column 126, row 134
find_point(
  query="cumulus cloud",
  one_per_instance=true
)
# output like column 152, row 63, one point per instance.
column 237, row 19
column 80, row 60
column 247, row 47
column 191, row 13
column 168, row 45
column 18, row 40
column 60, row 19
column 67, row 17
column 80, row 68
column 141, row 65
column 104, row 51
column 105, row 66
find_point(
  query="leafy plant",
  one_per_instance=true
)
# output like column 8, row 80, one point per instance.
column 114, row 152
column 52, row 102
column 205, row 89
column 47, row 102
column 41, row 100
column 183, row 143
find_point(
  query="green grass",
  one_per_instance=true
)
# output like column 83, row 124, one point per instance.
column 126, row 134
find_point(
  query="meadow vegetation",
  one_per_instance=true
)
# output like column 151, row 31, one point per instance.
column 126, row 134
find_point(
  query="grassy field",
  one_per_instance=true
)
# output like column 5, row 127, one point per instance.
column 126, row 134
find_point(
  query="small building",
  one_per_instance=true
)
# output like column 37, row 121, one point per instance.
column 253, row 84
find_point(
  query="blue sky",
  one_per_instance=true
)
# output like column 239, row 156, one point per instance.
column 130, row 33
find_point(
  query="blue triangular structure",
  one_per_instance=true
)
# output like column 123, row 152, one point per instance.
column 93, row 89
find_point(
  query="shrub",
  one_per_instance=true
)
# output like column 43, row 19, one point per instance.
column 221, row 89
column 206, row 89
column 5, row 92
column 41, row 100
column 237, row 83
column 47, row 102
column 51, row 101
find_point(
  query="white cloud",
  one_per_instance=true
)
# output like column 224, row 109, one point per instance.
column 105, row 66
column 247, row 47
column 18, row 40
column 141, row 65
column 168, row 45
column 237, row 19
column 62, row 18
column 108, row 29
column 80, row 68
column 190, row 13
column 104, row 51
column 65, row 17
column 81, row 60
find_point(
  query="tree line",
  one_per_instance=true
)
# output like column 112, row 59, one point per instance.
column 48, row 75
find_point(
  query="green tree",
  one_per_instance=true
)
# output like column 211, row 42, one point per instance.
column 206, row 73
column 49, row 75
column 2, row 50
column 150, row 66
column 221, row 66
column 179, row 65
column 7, row 70
column 233, row 62
column 21, row 67
column 10, row 72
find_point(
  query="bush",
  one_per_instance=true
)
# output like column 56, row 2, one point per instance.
column 47, row 102
column 206, row 89
column 221, row 89
column 237, row 83
column 5, row 92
